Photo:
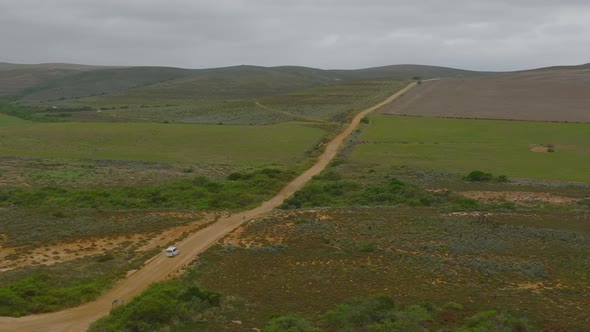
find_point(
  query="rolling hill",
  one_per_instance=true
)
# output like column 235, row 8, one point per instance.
column 97, row 82
column 177, row 94
column 405, row 71
column 72, row 81
column 14, row 78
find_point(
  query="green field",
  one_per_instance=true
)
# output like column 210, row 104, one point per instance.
column 460, row 146
column 7, row 120
column 242, row 145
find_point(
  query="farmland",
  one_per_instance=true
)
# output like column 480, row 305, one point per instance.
column 461, row 145
column 553, row 94
column 278, row 144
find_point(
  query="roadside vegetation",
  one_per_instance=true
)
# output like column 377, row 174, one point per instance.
column 239, row 191
column 329, row 189
column 39, row 289
column 160, row 305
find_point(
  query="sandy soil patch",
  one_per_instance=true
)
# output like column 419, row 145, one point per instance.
column 518, row 197
column 16, row 257
column 542, row 148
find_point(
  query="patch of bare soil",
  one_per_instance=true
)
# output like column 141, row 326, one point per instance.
column 536, row 287
column 518, row 197
column 17, row 257
column 540, row 148
column 548, row 95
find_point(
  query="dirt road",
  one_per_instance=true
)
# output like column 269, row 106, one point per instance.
column 160, row 267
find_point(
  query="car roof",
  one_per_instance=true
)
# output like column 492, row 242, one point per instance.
column 171, row 248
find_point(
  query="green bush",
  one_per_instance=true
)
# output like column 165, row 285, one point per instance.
column 380, row 314
column 158, row 306
column 327, row 190
column 289, row 323
column 241, row 190
column 360, row 312
column 412, row 318
column 492, row 321
column 478, row 176
column 39, row 293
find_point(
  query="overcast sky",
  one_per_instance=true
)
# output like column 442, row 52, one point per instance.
column 470, row 34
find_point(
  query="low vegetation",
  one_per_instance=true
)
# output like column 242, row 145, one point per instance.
column 381, row 314
column 241, row 190
column 39, row 289
column 35, row 227
column 160, row 305
column 311, row 260
column 328, row 189
column 479, row 176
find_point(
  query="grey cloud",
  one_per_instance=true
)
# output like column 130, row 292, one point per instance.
column 472, row 34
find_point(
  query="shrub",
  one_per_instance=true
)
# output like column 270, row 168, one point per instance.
column 502, row 178
column 38, row 294
column 477, row 176
column 158, row 306
column 360, row 312
column 289, row 324
column 241, row 190
column 492, row 321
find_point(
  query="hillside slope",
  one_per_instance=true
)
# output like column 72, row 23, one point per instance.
column 166, row 83
column 404, row 71
column 15, row 78
column 103, row 81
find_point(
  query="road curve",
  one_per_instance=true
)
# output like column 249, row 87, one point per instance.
column 160, row 267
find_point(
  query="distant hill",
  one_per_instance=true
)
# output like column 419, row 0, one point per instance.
column 229, row 83
column 404, row 71
column 63, row 81
column 57, row 81
column 104, row 81
column 14, row 78
column 576, row 67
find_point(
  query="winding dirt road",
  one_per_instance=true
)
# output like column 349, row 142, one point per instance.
column 161, row 267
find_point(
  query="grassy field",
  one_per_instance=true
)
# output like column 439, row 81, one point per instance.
column 460, row 146
column 7, row 120
column 242, row 145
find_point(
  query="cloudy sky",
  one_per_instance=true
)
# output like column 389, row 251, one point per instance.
column 470, row 34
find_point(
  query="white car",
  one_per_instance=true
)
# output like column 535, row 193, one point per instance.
column 172, row 251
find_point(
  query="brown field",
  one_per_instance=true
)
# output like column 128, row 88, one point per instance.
column 545, row 95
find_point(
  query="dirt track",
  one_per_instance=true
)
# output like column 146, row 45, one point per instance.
column 161, row 267
column 546, row 95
